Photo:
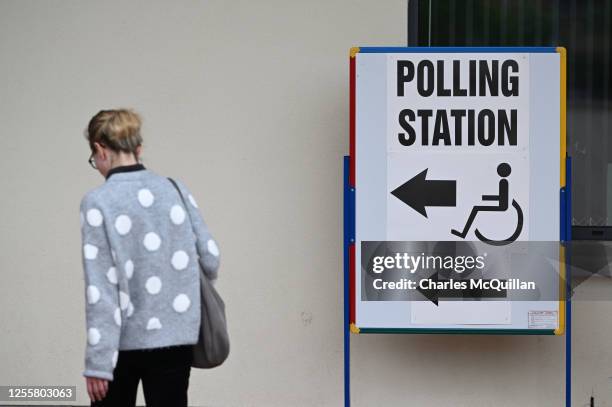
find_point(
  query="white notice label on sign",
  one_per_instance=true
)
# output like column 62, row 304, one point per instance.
column 543, row 319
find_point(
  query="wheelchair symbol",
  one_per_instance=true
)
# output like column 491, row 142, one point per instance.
column 503, row 170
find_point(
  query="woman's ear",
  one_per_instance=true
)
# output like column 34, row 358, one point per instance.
column 138, row 152
column 100, row 150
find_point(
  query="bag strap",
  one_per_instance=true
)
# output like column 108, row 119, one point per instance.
column 185, row 205
column 202, row 274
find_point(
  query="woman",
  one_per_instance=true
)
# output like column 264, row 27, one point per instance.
column 141, row 259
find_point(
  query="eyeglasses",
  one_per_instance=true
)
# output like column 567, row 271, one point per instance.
column 91, row 159
column 92, row 162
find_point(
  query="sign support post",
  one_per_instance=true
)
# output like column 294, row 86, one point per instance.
column 348, row 240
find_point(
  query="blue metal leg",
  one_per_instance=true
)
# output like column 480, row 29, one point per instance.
column 568, row 277
column 347, row 333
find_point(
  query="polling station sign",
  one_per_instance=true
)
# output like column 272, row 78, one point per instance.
column 458, row 145
column 462, row 146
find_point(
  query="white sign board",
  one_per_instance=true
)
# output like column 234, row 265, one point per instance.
column 455, row 145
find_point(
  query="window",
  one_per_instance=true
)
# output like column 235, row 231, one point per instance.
column 583, row 27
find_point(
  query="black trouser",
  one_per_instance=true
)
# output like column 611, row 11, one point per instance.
column 164, row 373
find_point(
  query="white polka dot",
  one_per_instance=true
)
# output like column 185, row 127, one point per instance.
column 111, row 275
column 124, row 299
column 93, row 294
column 153, row 323
column 130, row 309
column 123, row 224
column 90, row 251
column 153, row 285
column 117, row 316
column 82, row 218
column 93, row 336
column 193, row 201
column 180, row 259
column 177, row 214
column 115, row 357
column 145, row 197
column 181, row 303
column 151, row 241
column 94, row 217
column 129, row 269
column 212, row 247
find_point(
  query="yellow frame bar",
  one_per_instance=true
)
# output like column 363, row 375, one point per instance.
column 562, row 181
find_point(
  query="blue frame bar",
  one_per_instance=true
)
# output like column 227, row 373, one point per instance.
column 378, row 50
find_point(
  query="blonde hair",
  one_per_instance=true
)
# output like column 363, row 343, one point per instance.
column 118, row 129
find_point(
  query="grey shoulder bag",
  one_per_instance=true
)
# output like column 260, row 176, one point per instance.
column 213, row 343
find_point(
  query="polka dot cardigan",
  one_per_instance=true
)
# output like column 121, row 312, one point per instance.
column 140, row 261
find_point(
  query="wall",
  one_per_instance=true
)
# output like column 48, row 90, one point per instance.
column 247, row 102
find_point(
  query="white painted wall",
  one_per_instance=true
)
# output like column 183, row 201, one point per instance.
column 247, row 102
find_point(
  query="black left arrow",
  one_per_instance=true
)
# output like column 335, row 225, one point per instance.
column 419, row 193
